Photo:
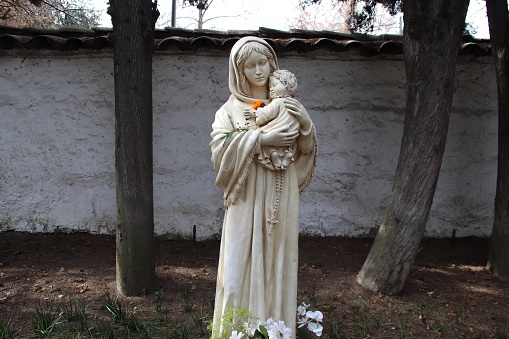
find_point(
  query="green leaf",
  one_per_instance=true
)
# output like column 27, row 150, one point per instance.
column 264, row 331
column 303, row 334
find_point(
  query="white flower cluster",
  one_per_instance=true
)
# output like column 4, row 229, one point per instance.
column 276, row 329
column 271, row 329
column 310, row 318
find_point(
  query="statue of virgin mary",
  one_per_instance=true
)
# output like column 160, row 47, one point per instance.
column 258, row 259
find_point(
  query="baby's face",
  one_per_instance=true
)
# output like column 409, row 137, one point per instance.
column 276, row 88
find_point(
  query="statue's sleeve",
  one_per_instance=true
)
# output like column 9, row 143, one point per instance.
column 305, row 156
column 307, row 139
column 232, row 157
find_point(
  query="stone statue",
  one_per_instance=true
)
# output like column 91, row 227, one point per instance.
column 258, row 258
column 282, row 84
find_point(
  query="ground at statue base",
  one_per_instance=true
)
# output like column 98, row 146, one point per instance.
column 449, row 293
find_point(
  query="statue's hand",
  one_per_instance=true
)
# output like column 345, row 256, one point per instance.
column 279, row 137
column 295, row 108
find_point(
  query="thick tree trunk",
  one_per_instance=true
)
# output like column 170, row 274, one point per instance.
column 133, row 26
column 433, row 30
column 498, row 261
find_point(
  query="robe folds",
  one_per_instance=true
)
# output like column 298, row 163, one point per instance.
column 258, row 263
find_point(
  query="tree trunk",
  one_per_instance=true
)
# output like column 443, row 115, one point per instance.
column 201, row 14
column 133, row 27
column 432, row 32
column 498, row 261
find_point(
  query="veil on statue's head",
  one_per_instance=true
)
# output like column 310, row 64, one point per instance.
column 234, row 72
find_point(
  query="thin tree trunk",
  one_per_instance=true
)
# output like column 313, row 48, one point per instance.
column 133, row 26
column 498, row 261
column 201, row 13
column 433, row 30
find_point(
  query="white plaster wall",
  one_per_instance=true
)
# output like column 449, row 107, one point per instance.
column 57, row 143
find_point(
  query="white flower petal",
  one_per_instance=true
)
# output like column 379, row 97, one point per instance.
column 301, row 311
column 278, row 330
column 316, row 328
column 237, row 335
column 317, row 315
column 251, row 331
column 269, row 322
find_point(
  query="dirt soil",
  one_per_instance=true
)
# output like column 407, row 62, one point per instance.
column 449, row 293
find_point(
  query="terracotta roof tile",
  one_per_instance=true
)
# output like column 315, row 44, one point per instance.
column 188, row 40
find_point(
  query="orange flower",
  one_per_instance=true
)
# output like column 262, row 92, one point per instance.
column 257, row 104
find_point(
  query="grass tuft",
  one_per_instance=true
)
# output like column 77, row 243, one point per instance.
column 7, row 329
column 46, row 319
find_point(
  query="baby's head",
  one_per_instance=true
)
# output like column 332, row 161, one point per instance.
column 282, row 83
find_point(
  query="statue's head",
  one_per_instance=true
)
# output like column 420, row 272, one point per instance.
column 240, row 59
column 287, row 79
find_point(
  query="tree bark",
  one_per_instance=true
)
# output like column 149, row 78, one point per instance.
column 498, row 261
column 432, row 33
column 133, row 27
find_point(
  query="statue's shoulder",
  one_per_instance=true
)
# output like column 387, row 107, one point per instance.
column 229, row 107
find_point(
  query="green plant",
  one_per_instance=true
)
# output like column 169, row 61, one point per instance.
column 7, row 329
column 405, row 328
column 444, row 330
column 360, row 328
column 333, row 297
column 317, row 263
column 392, row 309
column 105, row 330
column 502, row 332
column 134, row 324
column 313, row 298
column 46, row 319
column 480, row 335
column 181, row 331
column 425, row 309
column 75, row 311
column 114, row 307
column 335, row 329
column 186, row 298
column 358, row 306
column 127, row 321
column 228, row 135
column 201, row 322
column 460, row 315
column 158, row 299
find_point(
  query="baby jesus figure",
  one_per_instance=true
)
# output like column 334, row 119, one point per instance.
column 282, row 84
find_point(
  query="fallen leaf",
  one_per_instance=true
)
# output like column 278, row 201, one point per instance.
column 82, row 288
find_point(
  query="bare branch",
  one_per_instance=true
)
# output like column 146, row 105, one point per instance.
column 47, row 13
column 187, row 17
column 221, row 17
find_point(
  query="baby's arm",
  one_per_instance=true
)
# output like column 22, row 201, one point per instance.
column 267, row 113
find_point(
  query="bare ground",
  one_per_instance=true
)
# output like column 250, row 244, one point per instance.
column 449, row 293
